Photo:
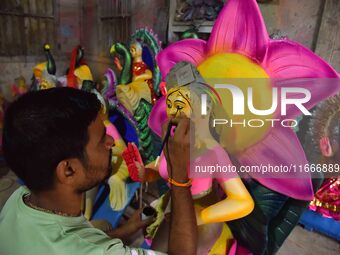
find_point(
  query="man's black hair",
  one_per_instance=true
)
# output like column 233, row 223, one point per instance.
column 45, row 127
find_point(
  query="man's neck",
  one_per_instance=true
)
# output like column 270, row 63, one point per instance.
column 65, row 203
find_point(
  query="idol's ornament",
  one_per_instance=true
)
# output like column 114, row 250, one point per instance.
column 239, row 47
column 327, row 199
column 78, row 70
column 44, row 74
column 137, row 87
column 322, row 147
column 108, row 91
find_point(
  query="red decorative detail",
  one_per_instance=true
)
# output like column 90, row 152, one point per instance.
column 130, row 155
column 139, row 68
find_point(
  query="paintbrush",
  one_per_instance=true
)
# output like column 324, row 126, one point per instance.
column 165, row 140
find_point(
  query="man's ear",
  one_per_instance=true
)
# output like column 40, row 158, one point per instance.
column 66, row 171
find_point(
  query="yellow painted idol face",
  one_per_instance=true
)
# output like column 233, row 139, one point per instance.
column 45, row 84
column 178, row 101
column 136, row 50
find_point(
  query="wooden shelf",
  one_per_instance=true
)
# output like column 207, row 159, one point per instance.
column 176, row 27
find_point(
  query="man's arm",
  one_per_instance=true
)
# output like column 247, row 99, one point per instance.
column 183, row 226
column 134, row 224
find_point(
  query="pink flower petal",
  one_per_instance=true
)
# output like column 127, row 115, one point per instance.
column 239, row 28
column 287, row 59
column 319, row 88
column 190, row 50
column 297, row 66
column 280, row 147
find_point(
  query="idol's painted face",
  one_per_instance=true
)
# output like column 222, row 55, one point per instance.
column 135, row 50
column 45, row 84
column 177, row 102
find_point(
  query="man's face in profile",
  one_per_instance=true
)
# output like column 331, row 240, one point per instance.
column 98, row 160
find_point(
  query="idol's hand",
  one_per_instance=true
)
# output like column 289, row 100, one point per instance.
column 118, row 64
column 141, row 171
column 131, row 156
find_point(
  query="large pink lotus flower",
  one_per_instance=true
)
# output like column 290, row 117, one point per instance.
column 240, row 29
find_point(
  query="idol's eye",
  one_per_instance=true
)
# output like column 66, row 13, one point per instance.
column 169, row 105
column 178, row 107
